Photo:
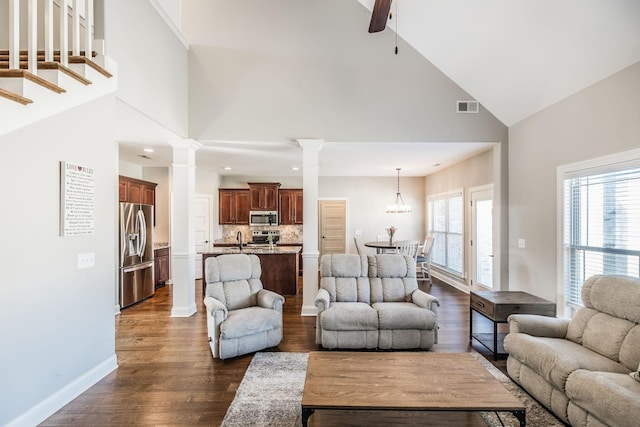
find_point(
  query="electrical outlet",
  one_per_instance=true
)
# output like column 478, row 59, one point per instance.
column 358, row 232
column 86, row 260
column 521, row 243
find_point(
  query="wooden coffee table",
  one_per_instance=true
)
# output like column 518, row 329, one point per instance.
column 402, row 381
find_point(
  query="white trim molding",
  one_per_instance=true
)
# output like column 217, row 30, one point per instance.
column 47, row 407
column 170, row 23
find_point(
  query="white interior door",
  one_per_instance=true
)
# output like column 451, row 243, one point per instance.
column 482, row 237
column 202, row 208
column 332, row 227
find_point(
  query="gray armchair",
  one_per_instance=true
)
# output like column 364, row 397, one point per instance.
column 242, row 317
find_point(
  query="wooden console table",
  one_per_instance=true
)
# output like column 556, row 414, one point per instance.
column 497, row 306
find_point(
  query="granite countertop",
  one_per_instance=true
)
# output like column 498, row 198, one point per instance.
column 254, row 250
column 160, row 245
column 279, row 242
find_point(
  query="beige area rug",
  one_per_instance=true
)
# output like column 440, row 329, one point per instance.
column 270, row 394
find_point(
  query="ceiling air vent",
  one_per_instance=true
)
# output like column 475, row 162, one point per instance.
column 468, row 106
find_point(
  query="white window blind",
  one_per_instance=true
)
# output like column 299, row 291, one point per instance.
column 601, row 227
column 446, row 225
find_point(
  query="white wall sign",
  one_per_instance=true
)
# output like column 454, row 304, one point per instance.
column 77, row 198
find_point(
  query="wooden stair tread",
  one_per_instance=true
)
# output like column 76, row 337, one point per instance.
column 31, row 77
column 68, row 71
column 14, row 97
column 4, row 64
column 85, row 60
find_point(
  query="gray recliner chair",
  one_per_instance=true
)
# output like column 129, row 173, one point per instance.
column 242, row 317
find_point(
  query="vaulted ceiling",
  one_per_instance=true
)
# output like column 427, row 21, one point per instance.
column 264, row 73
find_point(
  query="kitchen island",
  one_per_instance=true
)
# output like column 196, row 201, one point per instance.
column 279, row 265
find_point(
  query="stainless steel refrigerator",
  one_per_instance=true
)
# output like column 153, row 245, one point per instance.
column 136, row 253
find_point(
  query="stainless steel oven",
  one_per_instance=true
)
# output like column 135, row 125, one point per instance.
column 257, row 218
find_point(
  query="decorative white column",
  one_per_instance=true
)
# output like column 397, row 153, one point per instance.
column 183, row 248
column 310, row 254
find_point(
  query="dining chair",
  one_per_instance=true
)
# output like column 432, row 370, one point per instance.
column 423, row 260
column 360, row 247
column 408, row 247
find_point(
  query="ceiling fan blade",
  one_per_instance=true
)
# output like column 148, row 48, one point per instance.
column 380, row 15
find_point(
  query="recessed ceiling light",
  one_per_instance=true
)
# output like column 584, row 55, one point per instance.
column 148, row 150
column 295, row 168
column 227, row 168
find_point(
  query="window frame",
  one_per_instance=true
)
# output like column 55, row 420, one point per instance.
column 611, row 163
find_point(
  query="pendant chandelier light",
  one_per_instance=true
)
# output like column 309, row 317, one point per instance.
column 399, row 206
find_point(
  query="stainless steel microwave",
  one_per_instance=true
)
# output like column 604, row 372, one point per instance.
column 263, row 218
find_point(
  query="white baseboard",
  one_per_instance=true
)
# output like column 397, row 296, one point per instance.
column 449, row 280
column 44, row 409
column 184, row 311
column 309, row 310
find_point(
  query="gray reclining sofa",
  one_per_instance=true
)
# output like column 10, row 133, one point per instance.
column 373, row 302
column 579, row 368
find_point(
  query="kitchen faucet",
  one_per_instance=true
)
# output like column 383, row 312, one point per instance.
column 239, row 239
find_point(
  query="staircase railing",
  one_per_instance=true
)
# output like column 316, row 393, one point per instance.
column 48, row 62
column 67, row 24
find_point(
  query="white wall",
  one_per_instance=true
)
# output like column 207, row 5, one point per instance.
column 4, row 23
column 208, row 183
column 173, row 11
column 367, row 199
column 129, row 169
column 240, row 181
column 291, row 76
column 152, row 63
column 57, row 333
column 472, row 172
column 600, row 120
column 162, row 227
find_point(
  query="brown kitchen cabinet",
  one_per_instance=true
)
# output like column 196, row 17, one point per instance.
column 279, row 271
column 299, row 254
column 263, row 196
column 162, row 260
column 290, row 206
column 233, row 206
column 134, row 190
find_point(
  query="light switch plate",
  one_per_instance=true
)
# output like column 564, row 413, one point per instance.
column 86, row 260
column 358, row 232
column 521, row 243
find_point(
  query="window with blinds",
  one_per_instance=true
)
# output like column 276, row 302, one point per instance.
column 601, row 227
column 446, row 225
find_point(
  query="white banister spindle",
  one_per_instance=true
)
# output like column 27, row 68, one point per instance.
column 32, row 36
column 48, row 30
column 14, row 34
column 75, row 30
column 64, row 32
column 88, row 32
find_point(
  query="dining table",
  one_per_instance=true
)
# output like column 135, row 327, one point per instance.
column 383, row 246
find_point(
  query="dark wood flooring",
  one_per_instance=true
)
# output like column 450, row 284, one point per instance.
column 167, row 376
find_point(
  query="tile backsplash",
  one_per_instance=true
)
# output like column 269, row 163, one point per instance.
column 288, row 233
